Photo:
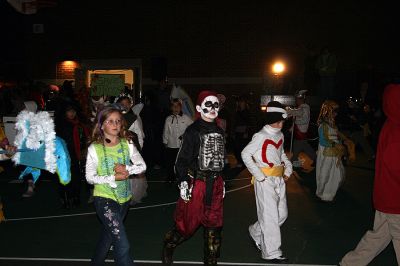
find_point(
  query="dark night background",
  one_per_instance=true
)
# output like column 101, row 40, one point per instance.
column 201, row 39
column 229, row 47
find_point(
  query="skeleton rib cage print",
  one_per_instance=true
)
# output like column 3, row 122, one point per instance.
column 212, row 152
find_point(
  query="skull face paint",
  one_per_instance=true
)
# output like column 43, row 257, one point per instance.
column 209, row 108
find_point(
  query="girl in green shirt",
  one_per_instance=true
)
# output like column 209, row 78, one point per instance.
column 112, row 158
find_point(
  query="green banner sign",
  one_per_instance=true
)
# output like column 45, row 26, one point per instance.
column 107, row 84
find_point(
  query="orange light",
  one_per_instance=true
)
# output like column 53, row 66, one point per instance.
column 278, row 68
column 69, row 64
column 263, row 108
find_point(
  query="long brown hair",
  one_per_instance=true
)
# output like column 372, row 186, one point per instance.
column 326, row 113
column 102, row 115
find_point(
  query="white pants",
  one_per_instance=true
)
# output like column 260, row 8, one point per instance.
column 271, row 213
column 386, row 229
column 330, row 174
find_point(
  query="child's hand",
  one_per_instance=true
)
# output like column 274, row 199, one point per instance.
column 119, row 168
column 121, row 176
column 286, row 178
column 10, row 150
column 120, row 172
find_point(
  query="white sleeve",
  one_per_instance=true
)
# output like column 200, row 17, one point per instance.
column 188, row 122
column 165, row 132
column 140, row 125
column 288, row 164
column 138, row 165
column 135, row 127
column 247, row 156
column 91, row 170
column 296, row 112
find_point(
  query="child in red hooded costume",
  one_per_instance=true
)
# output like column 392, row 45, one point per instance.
column 386, row 195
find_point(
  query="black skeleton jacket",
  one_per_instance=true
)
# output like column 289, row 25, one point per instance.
column 202, row 150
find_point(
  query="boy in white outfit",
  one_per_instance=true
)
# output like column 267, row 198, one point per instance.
column 266, row 160
column 174, row 127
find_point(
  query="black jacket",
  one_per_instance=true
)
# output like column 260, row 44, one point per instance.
column 189, row 156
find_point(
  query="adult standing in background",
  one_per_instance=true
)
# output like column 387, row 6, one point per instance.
column 155, row 112
column 301, row 116
column 326, row 65
column 241, row 128
column 310, row 71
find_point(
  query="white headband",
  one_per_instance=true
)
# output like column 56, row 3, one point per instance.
column 277, row 110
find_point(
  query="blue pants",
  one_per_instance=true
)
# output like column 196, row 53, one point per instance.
column 111, row 215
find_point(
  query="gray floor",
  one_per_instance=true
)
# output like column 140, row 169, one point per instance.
column 314, row 234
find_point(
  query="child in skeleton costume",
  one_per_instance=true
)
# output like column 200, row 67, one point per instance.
column 330, row 171
column 266, row 160
column 112, row 158
column 199, row 166
column 301, row 116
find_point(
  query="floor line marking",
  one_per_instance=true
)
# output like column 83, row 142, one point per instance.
column 91, row 213
column 19, row 181
column 227, row 180
column 157, row 261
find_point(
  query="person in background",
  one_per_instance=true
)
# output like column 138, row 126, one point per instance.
column 70, row 125
column 30, row 106
column 134, row 124
column 330, row 171
column 310, row 73
column 359, row 120
column 174, row 127
column 133, row 121
column 160, row 105
column 10, row 151
column 326, row 66
column 241, row 128
column 301, row 116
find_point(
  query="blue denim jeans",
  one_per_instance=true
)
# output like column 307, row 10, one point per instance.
column 111, row 215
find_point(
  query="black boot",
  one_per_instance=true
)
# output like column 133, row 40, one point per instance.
column 172, row 239
column 212, row 245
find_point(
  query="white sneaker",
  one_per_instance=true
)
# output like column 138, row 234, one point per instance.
column 258, row 245
column 278, row 260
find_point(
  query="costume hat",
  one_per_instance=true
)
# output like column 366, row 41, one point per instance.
column 204, row 94
column 301, row 94
column 275, row 112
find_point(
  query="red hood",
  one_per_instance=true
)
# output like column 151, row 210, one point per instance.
column 391, row 106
